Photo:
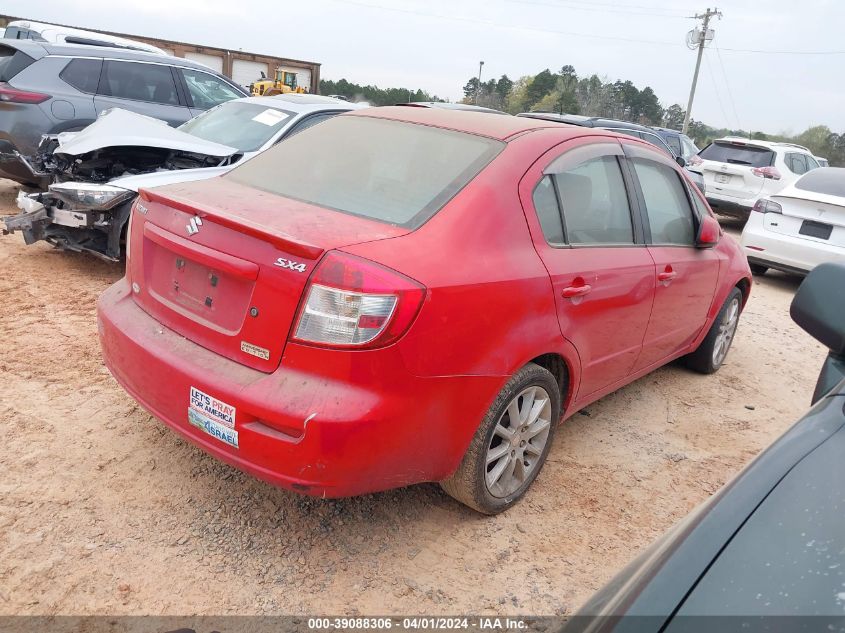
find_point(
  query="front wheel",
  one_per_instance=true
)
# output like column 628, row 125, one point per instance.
column 511, row 443
column 714, row 348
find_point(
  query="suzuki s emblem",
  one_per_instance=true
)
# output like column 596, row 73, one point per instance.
column 193, row 227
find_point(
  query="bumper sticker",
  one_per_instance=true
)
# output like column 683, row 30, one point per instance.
column 213, row 416
column 215, row 429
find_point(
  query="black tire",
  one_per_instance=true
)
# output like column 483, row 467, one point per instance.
column 758, row 269
column 702, row 360
column 469, row 482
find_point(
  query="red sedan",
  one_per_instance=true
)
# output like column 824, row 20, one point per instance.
column 403, row 295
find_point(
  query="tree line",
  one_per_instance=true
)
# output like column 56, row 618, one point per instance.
column 565, row 92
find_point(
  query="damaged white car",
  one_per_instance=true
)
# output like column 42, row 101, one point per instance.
column 96, row 173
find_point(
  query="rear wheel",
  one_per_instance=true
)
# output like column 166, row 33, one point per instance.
column 758, row 269
column 714, row 348
column 511, row 443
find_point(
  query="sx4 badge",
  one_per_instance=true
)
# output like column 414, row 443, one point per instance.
column 289, row 263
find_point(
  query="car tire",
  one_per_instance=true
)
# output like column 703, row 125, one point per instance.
column 516, row 456
column 758, row 269
column 713, row 350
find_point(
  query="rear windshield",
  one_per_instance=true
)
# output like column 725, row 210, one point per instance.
column 827, row 180
column 12, row 61
column 738, row 154
column 394, row 172
column 244, row 126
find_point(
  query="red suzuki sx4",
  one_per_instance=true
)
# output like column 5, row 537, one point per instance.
column 401, row 295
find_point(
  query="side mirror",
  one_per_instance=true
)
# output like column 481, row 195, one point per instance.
column 681, row 162
column 709, row 232
column 818, row 308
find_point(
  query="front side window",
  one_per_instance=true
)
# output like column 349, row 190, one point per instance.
column 667, row 206
column 548, row 211
column 390, row 171
column 675, row 144
column 595, row 203
column 812, row 163
column 140, row 82
column 207, row 90
column 690, row 148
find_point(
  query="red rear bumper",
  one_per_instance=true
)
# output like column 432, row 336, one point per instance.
column 325, row 423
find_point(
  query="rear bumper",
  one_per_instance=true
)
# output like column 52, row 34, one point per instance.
column 785, row 252
column 324, row 423
column 733, row 207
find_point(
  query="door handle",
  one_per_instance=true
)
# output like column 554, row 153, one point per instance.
column 667, row 275
column 575, row 291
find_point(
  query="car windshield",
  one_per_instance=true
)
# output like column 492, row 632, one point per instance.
column 828, row 180
column 738, row 154
column 390, row 171
column 244, row 126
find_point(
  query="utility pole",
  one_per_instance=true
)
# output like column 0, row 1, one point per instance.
column 702, row 37
column 478, row 87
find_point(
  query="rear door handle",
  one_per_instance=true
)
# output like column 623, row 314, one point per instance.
column 575, row 291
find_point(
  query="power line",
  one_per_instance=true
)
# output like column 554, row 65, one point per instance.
column 624, row 6
column 716, row 90
column 517, row 27
column 765, row 52
column 728, row 86
column 621, row 11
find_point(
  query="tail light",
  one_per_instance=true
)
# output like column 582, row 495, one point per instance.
column 694, row 160
column 767, row 206
column 8, row 94
column 766, row 172
column 354, row 303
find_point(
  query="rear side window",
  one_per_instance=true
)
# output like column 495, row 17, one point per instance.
column 669, row 213
column 139, row 82
column 207, row 90
column 12, row 61
column 795, row 163
column 390, row 171
column 83, row 74
column 595, row 203
column 738, row 154
column 548, row 211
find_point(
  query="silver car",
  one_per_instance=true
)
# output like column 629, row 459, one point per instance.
column 50, row 88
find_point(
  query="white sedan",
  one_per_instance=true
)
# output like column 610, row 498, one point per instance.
column 97, row 172
column 800, row 227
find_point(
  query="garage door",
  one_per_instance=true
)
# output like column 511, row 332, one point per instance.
column 303, row 76
column 245, row 72
column 215, row 62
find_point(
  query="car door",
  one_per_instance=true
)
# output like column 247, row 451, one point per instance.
column 591, row 243
column 142, row 87
column 686, row 275
column 205, row 90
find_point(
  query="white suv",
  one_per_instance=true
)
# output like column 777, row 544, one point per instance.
column 739, row 171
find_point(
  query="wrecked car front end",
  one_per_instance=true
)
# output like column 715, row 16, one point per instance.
column 90, row 182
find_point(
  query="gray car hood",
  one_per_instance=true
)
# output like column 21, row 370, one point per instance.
column 116, row 128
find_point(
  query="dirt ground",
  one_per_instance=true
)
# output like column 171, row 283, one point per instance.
column 105, row 511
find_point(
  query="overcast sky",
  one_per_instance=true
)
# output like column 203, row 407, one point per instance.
column 437, row 44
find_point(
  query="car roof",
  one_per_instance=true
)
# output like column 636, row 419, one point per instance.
column 300, row 103
column 37, row 50
column 586, row 121
column 741, row 140
column 497, row 127
column 450, row 106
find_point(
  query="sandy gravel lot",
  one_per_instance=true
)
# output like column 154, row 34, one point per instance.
column 104, row 511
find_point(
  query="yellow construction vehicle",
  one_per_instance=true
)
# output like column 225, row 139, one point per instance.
column 283, row 83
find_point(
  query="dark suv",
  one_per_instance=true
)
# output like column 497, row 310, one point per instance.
column 47, row 88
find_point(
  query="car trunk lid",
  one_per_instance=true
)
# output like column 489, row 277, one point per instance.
column 812, row 219
column 225, row 265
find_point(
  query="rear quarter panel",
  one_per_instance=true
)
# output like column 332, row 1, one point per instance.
column 490, row 307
